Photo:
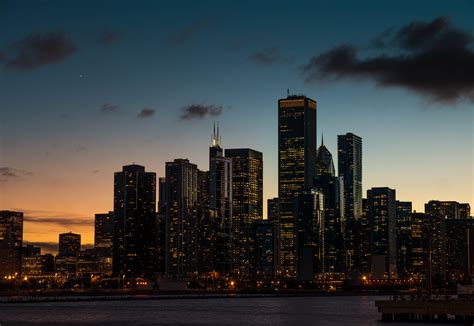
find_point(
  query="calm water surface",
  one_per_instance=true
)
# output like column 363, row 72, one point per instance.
column 255, row 311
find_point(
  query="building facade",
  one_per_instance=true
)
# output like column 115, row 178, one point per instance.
column 296, row 169
column 135, row 237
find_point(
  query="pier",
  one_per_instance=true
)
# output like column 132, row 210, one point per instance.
column 444, row 311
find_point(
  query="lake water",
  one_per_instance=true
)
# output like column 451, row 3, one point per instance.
column 350, row 310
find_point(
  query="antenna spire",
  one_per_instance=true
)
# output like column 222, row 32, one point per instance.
column 322, row 139
column 215, row 139
column 288, row 92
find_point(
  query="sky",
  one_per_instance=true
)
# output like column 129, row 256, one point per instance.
column 89, row 86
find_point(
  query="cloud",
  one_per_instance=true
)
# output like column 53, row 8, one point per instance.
column 109, row 108
column 200, row 111
column 63, row 219
column 95, row 171
column 185, row 35
column 146, row 113
column 80, row 148
column 8, row 173
column 434, row 60
column 269, row 56
column 37, row 50
column 108, row 38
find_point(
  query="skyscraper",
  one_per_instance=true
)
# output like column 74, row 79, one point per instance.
column 220, row 200
column 69, row 244
column 296, row 168
column 247, row 204
column 445, row 209
column 330, row 186
column 181, row 218
column 404, row 211
column 135, row 237
column 349, row 151
column 104, row 234
column 310, row 246
column 383, row 237
column 12, row 223
column 273, row 209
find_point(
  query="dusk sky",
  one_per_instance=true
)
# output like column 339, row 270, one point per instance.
column 89, row 86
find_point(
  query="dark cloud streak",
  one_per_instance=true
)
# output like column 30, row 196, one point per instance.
column 109, row 38
column 146, row 113
column 200, row 111
column 37, row 50
column 269, row 56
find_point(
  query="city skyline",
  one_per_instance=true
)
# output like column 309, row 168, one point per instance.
column 78, row 142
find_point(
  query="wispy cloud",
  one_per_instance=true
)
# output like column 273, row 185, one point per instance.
column 185, row 35
column 270, row 56
column 200, row 111
column 109, row 108
column 37, row 50
column 146, row 113
column 63, row 219
column 109, row 37
column 8, row 173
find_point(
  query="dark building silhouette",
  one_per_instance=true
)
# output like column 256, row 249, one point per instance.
column 104, row 234
column 296, row 168
column 383, row 237
column 10, row 256
column 135, row 236
column 446, row 209
column 12, row 222
column 161, row 194
column 69, row 244
column 404, row 211
column 329, row 185
column 247, row 205
column 181, row 218
column 265, row 253
column 206, row 227
column 273, row 210
column 220, row 200
column 459, row 249
column 349, row 152
column 310, row 246
column 464, row 211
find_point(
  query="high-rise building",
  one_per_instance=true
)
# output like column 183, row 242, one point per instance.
column 247, row 205
column 206, row 227
column 69, row 244
column 104, row 234
column 349, row 151
column 181, row 218
column 135, row 238
column 161, row 194
column 404, row 211
column 310, row 246
column 417, row 243
column 383, row 237
column 446, row 209
column 464, row 211
column 12, row 222
column 296, row 168
column 330, row 186
column 220, row 200
column 266, row 249
column 273, row 209
column 459, row 249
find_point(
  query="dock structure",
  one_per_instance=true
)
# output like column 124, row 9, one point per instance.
column 456, row 311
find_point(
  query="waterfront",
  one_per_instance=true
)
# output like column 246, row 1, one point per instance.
column 353, row 310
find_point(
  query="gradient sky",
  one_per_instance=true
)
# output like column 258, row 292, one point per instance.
column 69, row 122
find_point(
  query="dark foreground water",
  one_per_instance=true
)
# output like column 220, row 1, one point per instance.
column 297, row 311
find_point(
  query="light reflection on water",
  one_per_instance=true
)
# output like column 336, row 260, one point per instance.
column 348, row 310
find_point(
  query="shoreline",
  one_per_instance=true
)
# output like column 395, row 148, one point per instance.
column 176, row 296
